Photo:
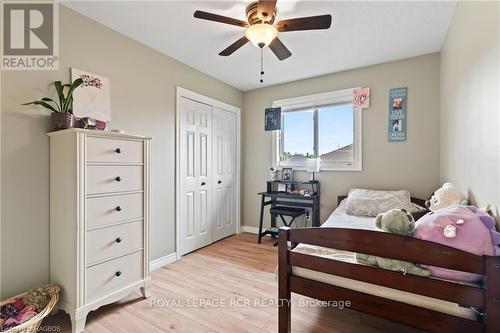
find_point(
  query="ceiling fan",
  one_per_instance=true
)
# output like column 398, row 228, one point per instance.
column 260, row 29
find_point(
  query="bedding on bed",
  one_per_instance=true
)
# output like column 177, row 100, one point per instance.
column 341, row 219
column 362, row 202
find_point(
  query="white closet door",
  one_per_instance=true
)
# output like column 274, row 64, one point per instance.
column 224, row 173
column 195, row 175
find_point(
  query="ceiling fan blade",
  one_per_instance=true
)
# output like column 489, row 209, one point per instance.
column 219, row 18
column 279, row 49
column 305, row 23
column 233, row 47
column 266, row 9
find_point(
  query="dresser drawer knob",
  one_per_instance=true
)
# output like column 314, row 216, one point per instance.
column 117, row 274
column 118, row 209
column 118, row 240
column 118, row 179
column 118, row 151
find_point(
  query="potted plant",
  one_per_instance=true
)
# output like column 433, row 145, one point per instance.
column 62, row 113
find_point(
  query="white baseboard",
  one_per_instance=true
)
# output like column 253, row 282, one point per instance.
column 249, row 229
column 162, row 261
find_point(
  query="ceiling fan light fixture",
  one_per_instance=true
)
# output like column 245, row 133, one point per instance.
column 261, row 34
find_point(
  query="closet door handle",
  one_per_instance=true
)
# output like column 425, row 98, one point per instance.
column 118, row 273
column 203, row 183
column 118, row 209
column 118, row 240
column 219, row 182
column 118, row 179
column 118, row 151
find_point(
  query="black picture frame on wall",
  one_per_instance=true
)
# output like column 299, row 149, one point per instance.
column 287, row 174
column 272, row 119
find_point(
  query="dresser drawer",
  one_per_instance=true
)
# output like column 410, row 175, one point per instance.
column 106, row 278
column 111, row 242
column 109, row 179
column 106, row 150
column 116, row 208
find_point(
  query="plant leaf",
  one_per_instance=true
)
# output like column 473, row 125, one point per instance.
column 69, row 98
column 65, row 96
column 70, row 104
column 46, row 99
column 42, row 103
column 60, row 94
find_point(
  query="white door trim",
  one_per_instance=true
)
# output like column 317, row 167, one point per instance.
column 182, row 92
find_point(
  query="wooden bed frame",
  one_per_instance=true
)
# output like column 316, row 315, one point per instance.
column 485, row 298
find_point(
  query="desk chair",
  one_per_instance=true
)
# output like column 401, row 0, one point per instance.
column 283, row 211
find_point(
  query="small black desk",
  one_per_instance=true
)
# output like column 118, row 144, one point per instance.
column 289, row 199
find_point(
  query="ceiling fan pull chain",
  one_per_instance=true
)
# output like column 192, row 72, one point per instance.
column 261, row 64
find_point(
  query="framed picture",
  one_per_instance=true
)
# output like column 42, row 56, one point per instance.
column 93, row 98
column 286, row 174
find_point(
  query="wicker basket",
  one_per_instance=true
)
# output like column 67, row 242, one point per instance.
column 31, row 326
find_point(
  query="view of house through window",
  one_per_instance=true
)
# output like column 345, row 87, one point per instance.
column 326, row 131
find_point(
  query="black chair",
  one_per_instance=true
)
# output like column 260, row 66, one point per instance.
column 283, row 211
column 292, row 212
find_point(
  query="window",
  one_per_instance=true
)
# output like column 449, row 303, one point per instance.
column 297, row 135
column 324, row 125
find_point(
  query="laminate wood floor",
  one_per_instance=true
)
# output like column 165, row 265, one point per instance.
column 227, row 287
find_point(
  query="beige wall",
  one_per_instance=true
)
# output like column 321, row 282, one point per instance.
column 409, row 165
column 470, row 106
column 143, row 85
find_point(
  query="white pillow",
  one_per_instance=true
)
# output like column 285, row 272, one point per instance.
column 361, row 202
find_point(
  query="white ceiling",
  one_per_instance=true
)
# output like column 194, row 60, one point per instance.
column 362, row 34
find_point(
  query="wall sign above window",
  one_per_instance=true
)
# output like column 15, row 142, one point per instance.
column 361, row 98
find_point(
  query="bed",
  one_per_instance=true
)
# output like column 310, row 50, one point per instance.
column 323, row 266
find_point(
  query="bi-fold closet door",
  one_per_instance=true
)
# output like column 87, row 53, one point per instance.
column 224, row 173
column 207, row 152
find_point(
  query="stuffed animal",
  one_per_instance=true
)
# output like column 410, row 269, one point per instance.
column 396, row 221
column 463, row 227
column 447, row 195
column 40, row 297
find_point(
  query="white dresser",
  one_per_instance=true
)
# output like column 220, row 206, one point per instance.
column 99, row 218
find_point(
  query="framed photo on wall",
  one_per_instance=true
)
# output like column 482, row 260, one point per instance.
column 287, row 174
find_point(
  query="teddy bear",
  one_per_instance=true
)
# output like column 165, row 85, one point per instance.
column 447, row 195
column 467, row 228
column 396, row 221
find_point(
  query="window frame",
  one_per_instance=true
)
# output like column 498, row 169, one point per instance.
column 315, row 101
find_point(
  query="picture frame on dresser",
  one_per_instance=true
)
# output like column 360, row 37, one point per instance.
column 99, row 218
